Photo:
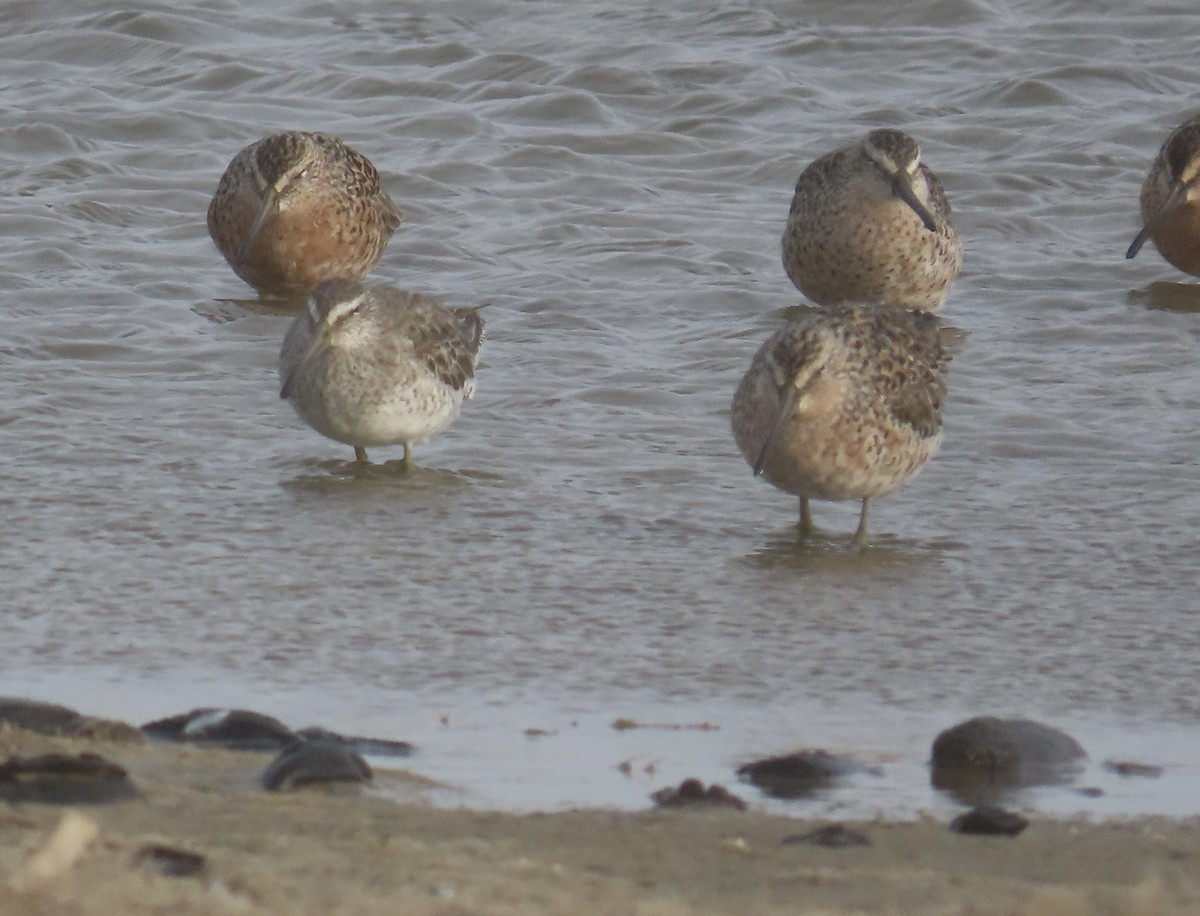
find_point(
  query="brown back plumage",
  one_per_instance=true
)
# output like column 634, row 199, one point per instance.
column 297, row 208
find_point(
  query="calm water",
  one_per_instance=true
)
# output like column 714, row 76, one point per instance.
column 586, row 543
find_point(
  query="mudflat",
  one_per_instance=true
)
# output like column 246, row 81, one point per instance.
column 384, row 848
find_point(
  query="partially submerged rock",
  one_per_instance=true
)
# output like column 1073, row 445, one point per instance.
column 800, row 774
column 982, row 758
column 693, row 793
column 991, row 743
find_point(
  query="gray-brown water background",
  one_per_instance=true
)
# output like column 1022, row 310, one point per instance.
column 586, row 543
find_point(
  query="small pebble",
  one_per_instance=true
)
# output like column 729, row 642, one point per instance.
column 1129, row 768
column 313, row 763
column 987, row 820
column 170, row 862
column 736, row 844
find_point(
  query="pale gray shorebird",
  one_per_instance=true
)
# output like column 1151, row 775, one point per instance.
column 844, row 402
column 1170, row 200
column 871, row 223
column 297, row 208
column 373, row 365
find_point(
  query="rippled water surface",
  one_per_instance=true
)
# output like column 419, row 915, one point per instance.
column 585, row 543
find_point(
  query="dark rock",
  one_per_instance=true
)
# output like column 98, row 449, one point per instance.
column 373, row 747
column 64, row 779
column 170, row 862
column 244, row 730
column 314, row 762
column 1004, row 744
column 1128, row 768
column 236, row 729
column 981, row 759
column 693, row 793
column 837, row 836
column 800, row 774
column 988, row 820
column 114, row 730
column 52, row 719
column 42, row 718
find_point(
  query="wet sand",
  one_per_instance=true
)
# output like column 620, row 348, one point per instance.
column 385, row 849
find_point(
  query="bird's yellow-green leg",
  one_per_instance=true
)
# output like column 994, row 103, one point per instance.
column 860, row 536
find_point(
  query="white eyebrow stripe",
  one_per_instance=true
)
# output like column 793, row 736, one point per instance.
column 340, row 310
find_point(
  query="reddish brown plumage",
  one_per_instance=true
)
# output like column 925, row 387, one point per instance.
column 298, row 208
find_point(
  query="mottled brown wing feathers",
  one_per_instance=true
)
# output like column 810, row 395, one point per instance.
column 918, row 367
column 939, row 203
column 363, row 178
column 819, row 172
column 448, row 347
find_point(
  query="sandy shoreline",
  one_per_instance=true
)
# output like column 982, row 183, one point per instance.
column 386, row 850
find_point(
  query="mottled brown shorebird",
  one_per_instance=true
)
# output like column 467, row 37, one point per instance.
column 844, row 402
column 871, row 223
column 297, row 208
column 373, row 365
column 1170, row 200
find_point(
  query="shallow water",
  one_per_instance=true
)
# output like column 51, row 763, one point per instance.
column 585, row 543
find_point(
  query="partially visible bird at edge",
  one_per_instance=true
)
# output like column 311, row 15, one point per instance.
column 1170, row 201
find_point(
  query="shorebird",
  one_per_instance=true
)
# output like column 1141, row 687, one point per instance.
column 871, row 223
column 1170, row 200
column 297, row 208
column 373, row 365
column 844, row 402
